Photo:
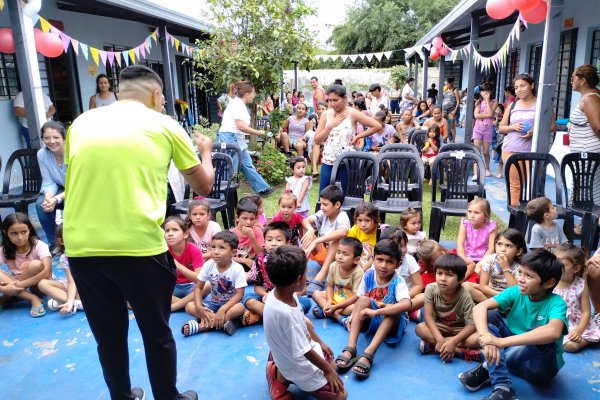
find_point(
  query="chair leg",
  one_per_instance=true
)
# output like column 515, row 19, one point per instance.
column 521, row 222
column 511, row 221
column 568, row 227
column 225, row 218
column 435, row 224
column 382, row 217
column 589, row 226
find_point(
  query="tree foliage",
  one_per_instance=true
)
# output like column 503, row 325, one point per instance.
column 379, row 25
column 254, row 40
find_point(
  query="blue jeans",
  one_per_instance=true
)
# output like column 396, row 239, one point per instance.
column 254, row 179
column 25, row 134
column 48, row 219
column 536, row 364
column 395, row 106
column 326, row 171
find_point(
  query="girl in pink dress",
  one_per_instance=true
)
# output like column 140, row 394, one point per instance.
column 476, row 236
column 574, row 291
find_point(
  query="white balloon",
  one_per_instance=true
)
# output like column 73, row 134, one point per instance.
column 31, row 8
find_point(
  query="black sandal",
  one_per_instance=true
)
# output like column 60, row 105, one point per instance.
column 366, row 369
column 348, row 361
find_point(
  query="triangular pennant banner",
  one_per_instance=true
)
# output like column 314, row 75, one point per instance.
column 66, row 41
column 136, row 51
column 387, row 54
column 125, row 55
column 1, row 5
column 148, row 43
column 118, row 58
column 110, row 55
column 45, row 25
column 94, row 52
column 145, row 45
column 142, row 51
column 132, row 55
column 75, row 44
column 103, row 56
column 369, row 56
column 326, row 57
column 378, row 56
column 84, row 50
column 54, row 31
column 353, row 57
column 177, row 44
column 153, row 36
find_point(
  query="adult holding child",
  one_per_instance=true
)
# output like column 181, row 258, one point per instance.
column 104, row 95
column 53, row 168
column 129, row 261
column 234, row 128
column 438, row 119
column 294, row 130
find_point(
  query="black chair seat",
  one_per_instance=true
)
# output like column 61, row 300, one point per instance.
column 395, row 205
column 31, row 181
column 455, row 208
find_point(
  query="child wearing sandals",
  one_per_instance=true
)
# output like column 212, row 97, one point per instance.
column 573, row 289
column 28, row 260
column 62, row 292
column 297, row 354
column 276, row 234
column 227, row 280
column 343, row 280
column 448, row 325
column 188, row 261
column 201, row 228
column 299, row 184
column 380, row 309
column 287, row 213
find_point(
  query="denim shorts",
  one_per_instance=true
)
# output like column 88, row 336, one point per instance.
column 252, row 296
column 212, row 306
column 183, row 289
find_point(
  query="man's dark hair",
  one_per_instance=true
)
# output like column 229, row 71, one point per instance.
column 354, row 243
column 246, row 206
column 285, row 264
column 139, row 72
column 279, row 226
column 374, row 87
column 545, row 264
column 333, row 194
column 387, row 247
column 228, row 237
column 452, row 262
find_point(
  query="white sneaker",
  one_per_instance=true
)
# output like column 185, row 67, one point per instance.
column 138, row 393
column 78, row 305
column 53, row 305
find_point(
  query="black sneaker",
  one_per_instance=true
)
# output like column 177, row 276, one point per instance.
column 138, row 393
column 266, row 192
column 475, row 378
column 231, row 326
column 187, row 395
column 501, row 394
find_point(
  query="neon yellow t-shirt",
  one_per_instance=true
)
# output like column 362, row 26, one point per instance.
column 116, row 186
column 367, row 239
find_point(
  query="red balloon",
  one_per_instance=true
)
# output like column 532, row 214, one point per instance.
column 7, row 41
column 523, row 5
column 536, row 14
column 444, row 51
column 499, row 9
column 435, row 53
column 437, row 42
column 48, row 44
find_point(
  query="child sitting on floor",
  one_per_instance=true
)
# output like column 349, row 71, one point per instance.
column 499, row 270
column 380, row 309
column 332, row 224
column 277, row 234
column 188, row 261
column 366, row 223
column 297, row 354
column 574, row 291
column 201, row 228
column 410, row 222
column 344, row 277
column 227, row 282
column 546, row 233
column 62, row 292
column 476, row 236
column 428, row 251
column 261, row 218
column 299, row 184
column 250, row 237
column 529, row 342
column 287, row 213
column 448, row 325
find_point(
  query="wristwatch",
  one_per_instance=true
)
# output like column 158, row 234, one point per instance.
column 58, row 199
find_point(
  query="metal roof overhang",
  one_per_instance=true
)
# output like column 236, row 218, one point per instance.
column 141, row 11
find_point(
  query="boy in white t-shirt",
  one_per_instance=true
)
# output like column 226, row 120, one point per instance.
column 333, row 224
column 227, row 279
column 297, row 354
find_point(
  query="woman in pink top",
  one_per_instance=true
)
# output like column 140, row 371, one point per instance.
column 517, row 125
column 483, row 131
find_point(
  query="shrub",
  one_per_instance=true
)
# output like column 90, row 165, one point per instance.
column 272, row 165
column 204, row 127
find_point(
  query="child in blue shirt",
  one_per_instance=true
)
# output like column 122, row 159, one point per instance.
column 529, row 342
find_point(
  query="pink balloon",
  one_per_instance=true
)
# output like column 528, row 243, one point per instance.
column 499, row 9
column 48, row 44
column 536, row 14
column 7, row 41
column 437, row 42
column 444, row 51
column 523, row 5
column 435, row 54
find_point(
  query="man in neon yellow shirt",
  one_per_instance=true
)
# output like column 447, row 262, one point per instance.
column 118, row 159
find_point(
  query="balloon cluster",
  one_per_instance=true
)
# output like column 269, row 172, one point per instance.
column 532, row 11
column 438, row 48
column 49, row 44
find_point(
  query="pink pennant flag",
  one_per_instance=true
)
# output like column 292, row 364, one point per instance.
column 171, row 39
column 54, row 31
column 66, row 40
column 111, row 57
column 103, row 56
column 118, row 58
column 136, row 50
column 142, row 50
column 75, row 44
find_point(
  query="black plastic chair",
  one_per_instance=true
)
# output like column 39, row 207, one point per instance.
column 584, row 170
column 232, row 150
column 382, row 185
column 464, row 147
column 399, row 147
column 531, row 169
column 402, row 168
column 31, row 181
column 360, row 167
column 217, row 198
column 418, row 138
column 457, row 167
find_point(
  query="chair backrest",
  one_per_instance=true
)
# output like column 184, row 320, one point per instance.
column 457, row 168
column 223, row 166
column 418, row 138
column 412, row 133
column 531, row 169
column 263, row 123
column 359, row 167
column 584, row 169
column 232, row 150
column 399, row 147
column 402, row 169
column 30, row 171
column 458, row 147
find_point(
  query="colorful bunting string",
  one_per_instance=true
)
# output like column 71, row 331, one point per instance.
column 353, row 57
